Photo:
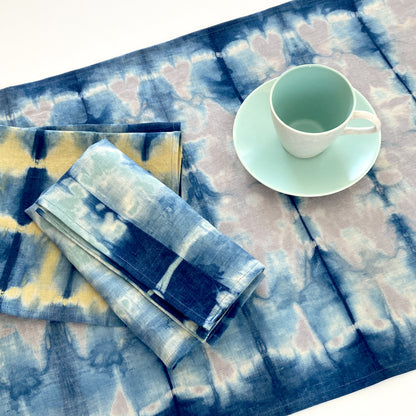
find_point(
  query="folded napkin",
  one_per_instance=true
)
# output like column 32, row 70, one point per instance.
column 167, row 273
column 36, row 280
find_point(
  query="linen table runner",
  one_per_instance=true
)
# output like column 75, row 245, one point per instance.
column 335, row 311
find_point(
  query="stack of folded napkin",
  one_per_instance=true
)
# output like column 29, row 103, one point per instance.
column 166, row 272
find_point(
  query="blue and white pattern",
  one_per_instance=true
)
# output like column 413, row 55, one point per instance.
column 108, row 210
column 335, row 311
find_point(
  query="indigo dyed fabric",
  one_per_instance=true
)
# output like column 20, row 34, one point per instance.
column 36, row 280
column 119, row 215
column 335, row 311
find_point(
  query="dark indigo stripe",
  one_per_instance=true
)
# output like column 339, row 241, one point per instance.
column 35, row 182
column 296, row 51
column 277, row 387
column 146, row 147
column 39, row 147
column 68, row 288
column 172, row 391
column 61, row 363
column 146, row 260
column 157, row 95
column 341, row 296
column 403, row 231
column 373, row 37
column 8, row 110
column 11, row 262
column 77, row 87
column 154, row 127
column 379, row 189
column 198, row 190
column 223, row 66
column 208, row 373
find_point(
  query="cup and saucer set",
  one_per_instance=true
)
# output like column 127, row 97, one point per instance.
column 307, row 133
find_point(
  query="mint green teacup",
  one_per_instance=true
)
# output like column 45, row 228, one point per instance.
column 311, row 106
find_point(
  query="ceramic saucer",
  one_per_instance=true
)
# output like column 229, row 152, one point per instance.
column 344, row 163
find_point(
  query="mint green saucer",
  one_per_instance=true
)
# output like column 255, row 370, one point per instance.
column 343, row 164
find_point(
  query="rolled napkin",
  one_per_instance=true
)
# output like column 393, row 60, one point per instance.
column 169, row 275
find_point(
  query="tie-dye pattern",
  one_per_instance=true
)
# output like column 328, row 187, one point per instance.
column 121, row 216
column 336, row 309
column 36, row 281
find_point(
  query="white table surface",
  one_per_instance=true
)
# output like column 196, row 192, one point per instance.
column 41, row 38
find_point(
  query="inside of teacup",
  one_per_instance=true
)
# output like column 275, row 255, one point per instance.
column 312, row 99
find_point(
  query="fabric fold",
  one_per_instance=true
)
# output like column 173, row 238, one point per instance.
column 111, row 217
column 36, row 280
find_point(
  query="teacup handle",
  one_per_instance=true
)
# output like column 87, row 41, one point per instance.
column 366, row 115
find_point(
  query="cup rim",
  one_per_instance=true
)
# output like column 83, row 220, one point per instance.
column 347, row 119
